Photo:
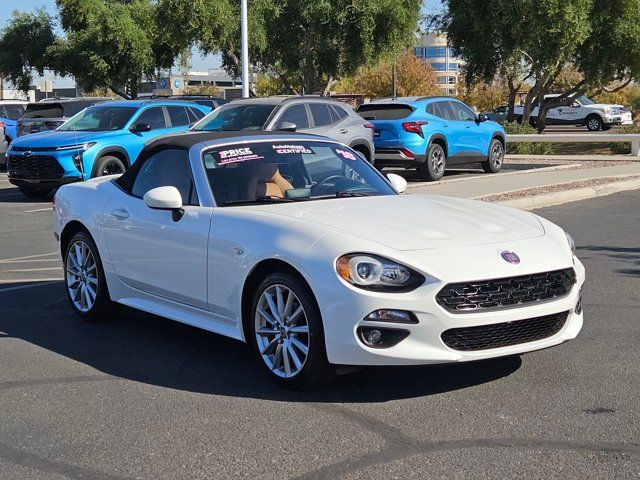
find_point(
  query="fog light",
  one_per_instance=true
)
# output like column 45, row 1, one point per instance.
column 392, row 316
column 373, row 337
column 381, row 337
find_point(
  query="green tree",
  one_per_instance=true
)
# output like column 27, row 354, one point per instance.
column 310, row 44
column 23, row 45
column 541, row 39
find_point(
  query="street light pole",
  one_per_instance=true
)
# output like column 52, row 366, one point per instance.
column 245, row 48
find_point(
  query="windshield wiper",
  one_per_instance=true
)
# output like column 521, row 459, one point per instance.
column 260, row 199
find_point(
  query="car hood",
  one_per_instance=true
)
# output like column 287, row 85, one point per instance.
column 414, row 222
column 54, row 138
column 602, row 106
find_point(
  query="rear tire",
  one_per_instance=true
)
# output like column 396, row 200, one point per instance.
column 594, row 123
column 86, row 286
column 34, row 192
column 289, row 343
column 108, row 165
column 434, row 164
column 495, row 159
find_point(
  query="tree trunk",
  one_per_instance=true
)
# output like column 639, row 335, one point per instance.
column 330, row 83
column 134, row 88
column 511, row 105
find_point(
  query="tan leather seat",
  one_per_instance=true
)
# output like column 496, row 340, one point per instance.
column 271, row 183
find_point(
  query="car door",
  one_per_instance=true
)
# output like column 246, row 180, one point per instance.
column 149, row 249
column 296, row 114
column 179, row 118
column 470, row 133
column 157, row 119
column 325, row 122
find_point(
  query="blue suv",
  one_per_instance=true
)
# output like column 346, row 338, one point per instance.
column 103, row 139
column 431, row 134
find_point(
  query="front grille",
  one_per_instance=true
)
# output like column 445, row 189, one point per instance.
column 485, row 295
column 34, row 167
column 504, row 334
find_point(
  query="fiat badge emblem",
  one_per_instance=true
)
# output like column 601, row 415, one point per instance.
column 510, row 257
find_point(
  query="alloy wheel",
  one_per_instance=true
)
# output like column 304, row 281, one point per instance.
column 437, row 161
column 594, row 124
column 111, row 168
column 282, row 331
column 82, row 276
column 496, row 154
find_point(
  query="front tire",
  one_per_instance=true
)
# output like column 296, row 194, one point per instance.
column 85, row 282
column 494, row 161
column 286, row 333
column 109, row 165
column 434, row 164
column 34, row 192
column 594, row 123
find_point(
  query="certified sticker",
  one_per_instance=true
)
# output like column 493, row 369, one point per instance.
column 289, row 149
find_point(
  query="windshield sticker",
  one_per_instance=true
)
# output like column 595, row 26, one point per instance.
column 345, row 154
column 288, row 149
column 237, row 155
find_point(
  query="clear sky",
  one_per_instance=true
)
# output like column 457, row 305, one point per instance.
column 199, row 62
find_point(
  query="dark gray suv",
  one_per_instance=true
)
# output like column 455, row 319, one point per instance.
column 50, row 114
column 316, row 115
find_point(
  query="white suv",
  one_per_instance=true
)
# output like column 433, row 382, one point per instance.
column 582, row 111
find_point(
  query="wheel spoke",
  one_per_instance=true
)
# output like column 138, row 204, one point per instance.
column 267, row 350
column 299, row 329
column 277, row 357
column 293, row 355
column 92, row 280
column 267, row 331
column 280, row 301
column 267, row 316
column 285, row 357
column 296, row 314
column 272, row 306
column 91, row 293
column 288, row 306
column 299, row 345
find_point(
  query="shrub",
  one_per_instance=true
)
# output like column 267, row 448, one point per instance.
column 525, row 148
column 620, row 148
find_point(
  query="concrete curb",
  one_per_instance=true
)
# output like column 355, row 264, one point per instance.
column 574, row 158
column 574, row 195
column 480, row 174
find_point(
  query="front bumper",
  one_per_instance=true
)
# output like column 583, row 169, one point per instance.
column 41, row 169
column 618, row 119
column 424, row 343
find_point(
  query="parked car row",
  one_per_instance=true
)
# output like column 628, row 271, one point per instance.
column 65, row 141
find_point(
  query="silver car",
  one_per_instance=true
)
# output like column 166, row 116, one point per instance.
column 315, row 115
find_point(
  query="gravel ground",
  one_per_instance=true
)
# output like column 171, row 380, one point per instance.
column 593, row 182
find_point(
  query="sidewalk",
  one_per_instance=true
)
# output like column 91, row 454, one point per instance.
column 488, row 184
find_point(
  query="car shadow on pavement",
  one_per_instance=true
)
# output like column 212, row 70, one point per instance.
column 630, row 256
column 11, row 194
column 150, row 349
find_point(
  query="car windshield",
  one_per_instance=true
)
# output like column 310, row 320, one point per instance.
column 13, row 111
column 43, row 110
column 289, row 171
column 584, row 100
column 96, row 119
column 235, row 118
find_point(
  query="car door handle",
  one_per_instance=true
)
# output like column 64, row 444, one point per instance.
column 344, row 130
column 120, row 213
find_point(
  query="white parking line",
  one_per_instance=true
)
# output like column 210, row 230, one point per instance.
column 48, row 209
column 31, row 269
column 29, row 256
column 42, row 282
column 33, row 260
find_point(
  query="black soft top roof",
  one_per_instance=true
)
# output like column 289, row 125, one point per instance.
column 186, row 140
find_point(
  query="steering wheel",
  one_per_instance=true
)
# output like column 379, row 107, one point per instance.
column 323, row 183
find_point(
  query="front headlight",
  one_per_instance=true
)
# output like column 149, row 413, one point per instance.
column 571, row 242
column 80, row 147
column 377, row 273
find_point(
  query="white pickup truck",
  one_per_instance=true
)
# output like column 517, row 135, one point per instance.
column 582, row 111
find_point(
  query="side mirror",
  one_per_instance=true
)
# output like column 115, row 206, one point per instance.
column 398, row 183
column 165, row 198
column 575, row 105
column 141, row 127
column 287, row 127
column 482, row 118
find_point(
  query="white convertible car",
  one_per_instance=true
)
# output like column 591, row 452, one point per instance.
column 295, row 244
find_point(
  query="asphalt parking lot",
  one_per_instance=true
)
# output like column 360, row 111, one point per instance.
column 144, row 397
